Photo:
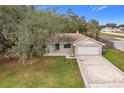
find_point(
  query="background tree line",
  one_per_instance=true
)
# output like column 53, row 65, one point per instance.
column 112, row 25
column 24, row 30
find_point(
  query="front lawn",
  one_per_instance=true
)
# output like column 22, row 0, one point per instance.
column 116, row 57
column 48, row 72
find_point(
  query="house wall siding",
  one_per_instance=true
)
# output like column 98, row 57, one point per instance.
column 51, row 48
column 89, row 48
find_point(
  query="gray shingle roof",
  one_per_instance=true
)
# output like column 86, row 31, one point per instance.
column 67, row 38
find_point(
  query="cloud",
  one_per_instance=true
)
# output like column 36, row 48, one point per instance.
column 101, row 8
column 98, row 8
column 94, row 8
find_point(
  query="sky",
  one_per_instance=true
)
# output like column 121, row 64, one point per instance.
column 102, row 13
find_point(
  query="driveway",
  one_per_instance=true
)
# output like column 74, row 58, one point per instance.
column 99, row 72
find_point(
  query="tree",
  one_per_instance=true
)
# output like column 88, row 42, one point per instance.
column 73, row 22
column 70, row 12
column 102, row 26
column 10, row 17
column 122, row 25
column 93, row 28
column 33, row 33
column 111, row 25
column 82, row 25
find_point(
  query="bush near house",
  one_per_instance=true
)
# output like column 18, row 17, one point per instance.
column 108, row 44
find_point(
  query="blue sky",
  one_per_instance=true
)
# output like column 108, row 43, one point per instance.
column 103, row 13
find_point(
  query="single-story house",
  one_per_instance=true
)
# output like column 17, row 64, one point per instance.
column 121, row 28
column 73, row 44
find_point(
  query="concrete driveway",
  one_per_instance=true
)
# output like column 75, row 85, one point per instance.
column 99, row 72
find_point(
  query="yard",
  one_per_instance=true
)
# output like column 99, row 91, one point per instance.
column 47, row 72
column 122, row 32
column 116, row 57
column 109, row 35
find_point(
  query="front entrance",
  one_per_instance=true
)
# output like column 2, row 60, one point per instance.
column 56, row 46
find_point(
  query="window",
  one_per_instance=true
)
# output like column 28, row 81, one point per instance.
column 67, row 45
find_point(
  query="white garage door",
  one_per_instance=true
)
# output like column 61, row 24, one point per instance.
column 88, row 51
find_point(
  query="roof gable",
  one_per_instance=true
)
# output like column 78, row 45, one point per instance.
column 88, row 41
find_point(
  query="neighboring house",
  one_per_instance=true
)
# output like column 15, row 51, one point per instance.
column 121, row 28
column 73, row 44
column 110, row 29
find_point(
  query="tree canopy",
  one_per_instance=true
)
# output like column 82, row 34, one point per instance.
column 111, row 25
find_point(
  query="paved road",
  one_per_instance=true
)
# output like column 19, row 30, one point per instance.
column 112, row 33
column 118, row 42
column 108, row 38
column 119, row 45
column 99, row 72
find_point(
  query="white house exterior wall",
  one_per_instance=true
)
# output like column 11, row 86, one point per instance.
column 88, row 48
column 51, row 48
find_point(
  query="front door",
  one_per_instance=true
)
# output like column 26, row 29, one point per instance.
column 56, row 46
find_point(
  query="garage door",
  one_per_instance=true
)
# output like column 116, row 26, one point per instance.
column 88, row 51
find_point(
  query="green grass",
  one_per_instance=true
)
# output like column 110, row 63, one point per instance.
column 121, row 32
column 116, row 57
column 48, row 72
column 109, row 35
